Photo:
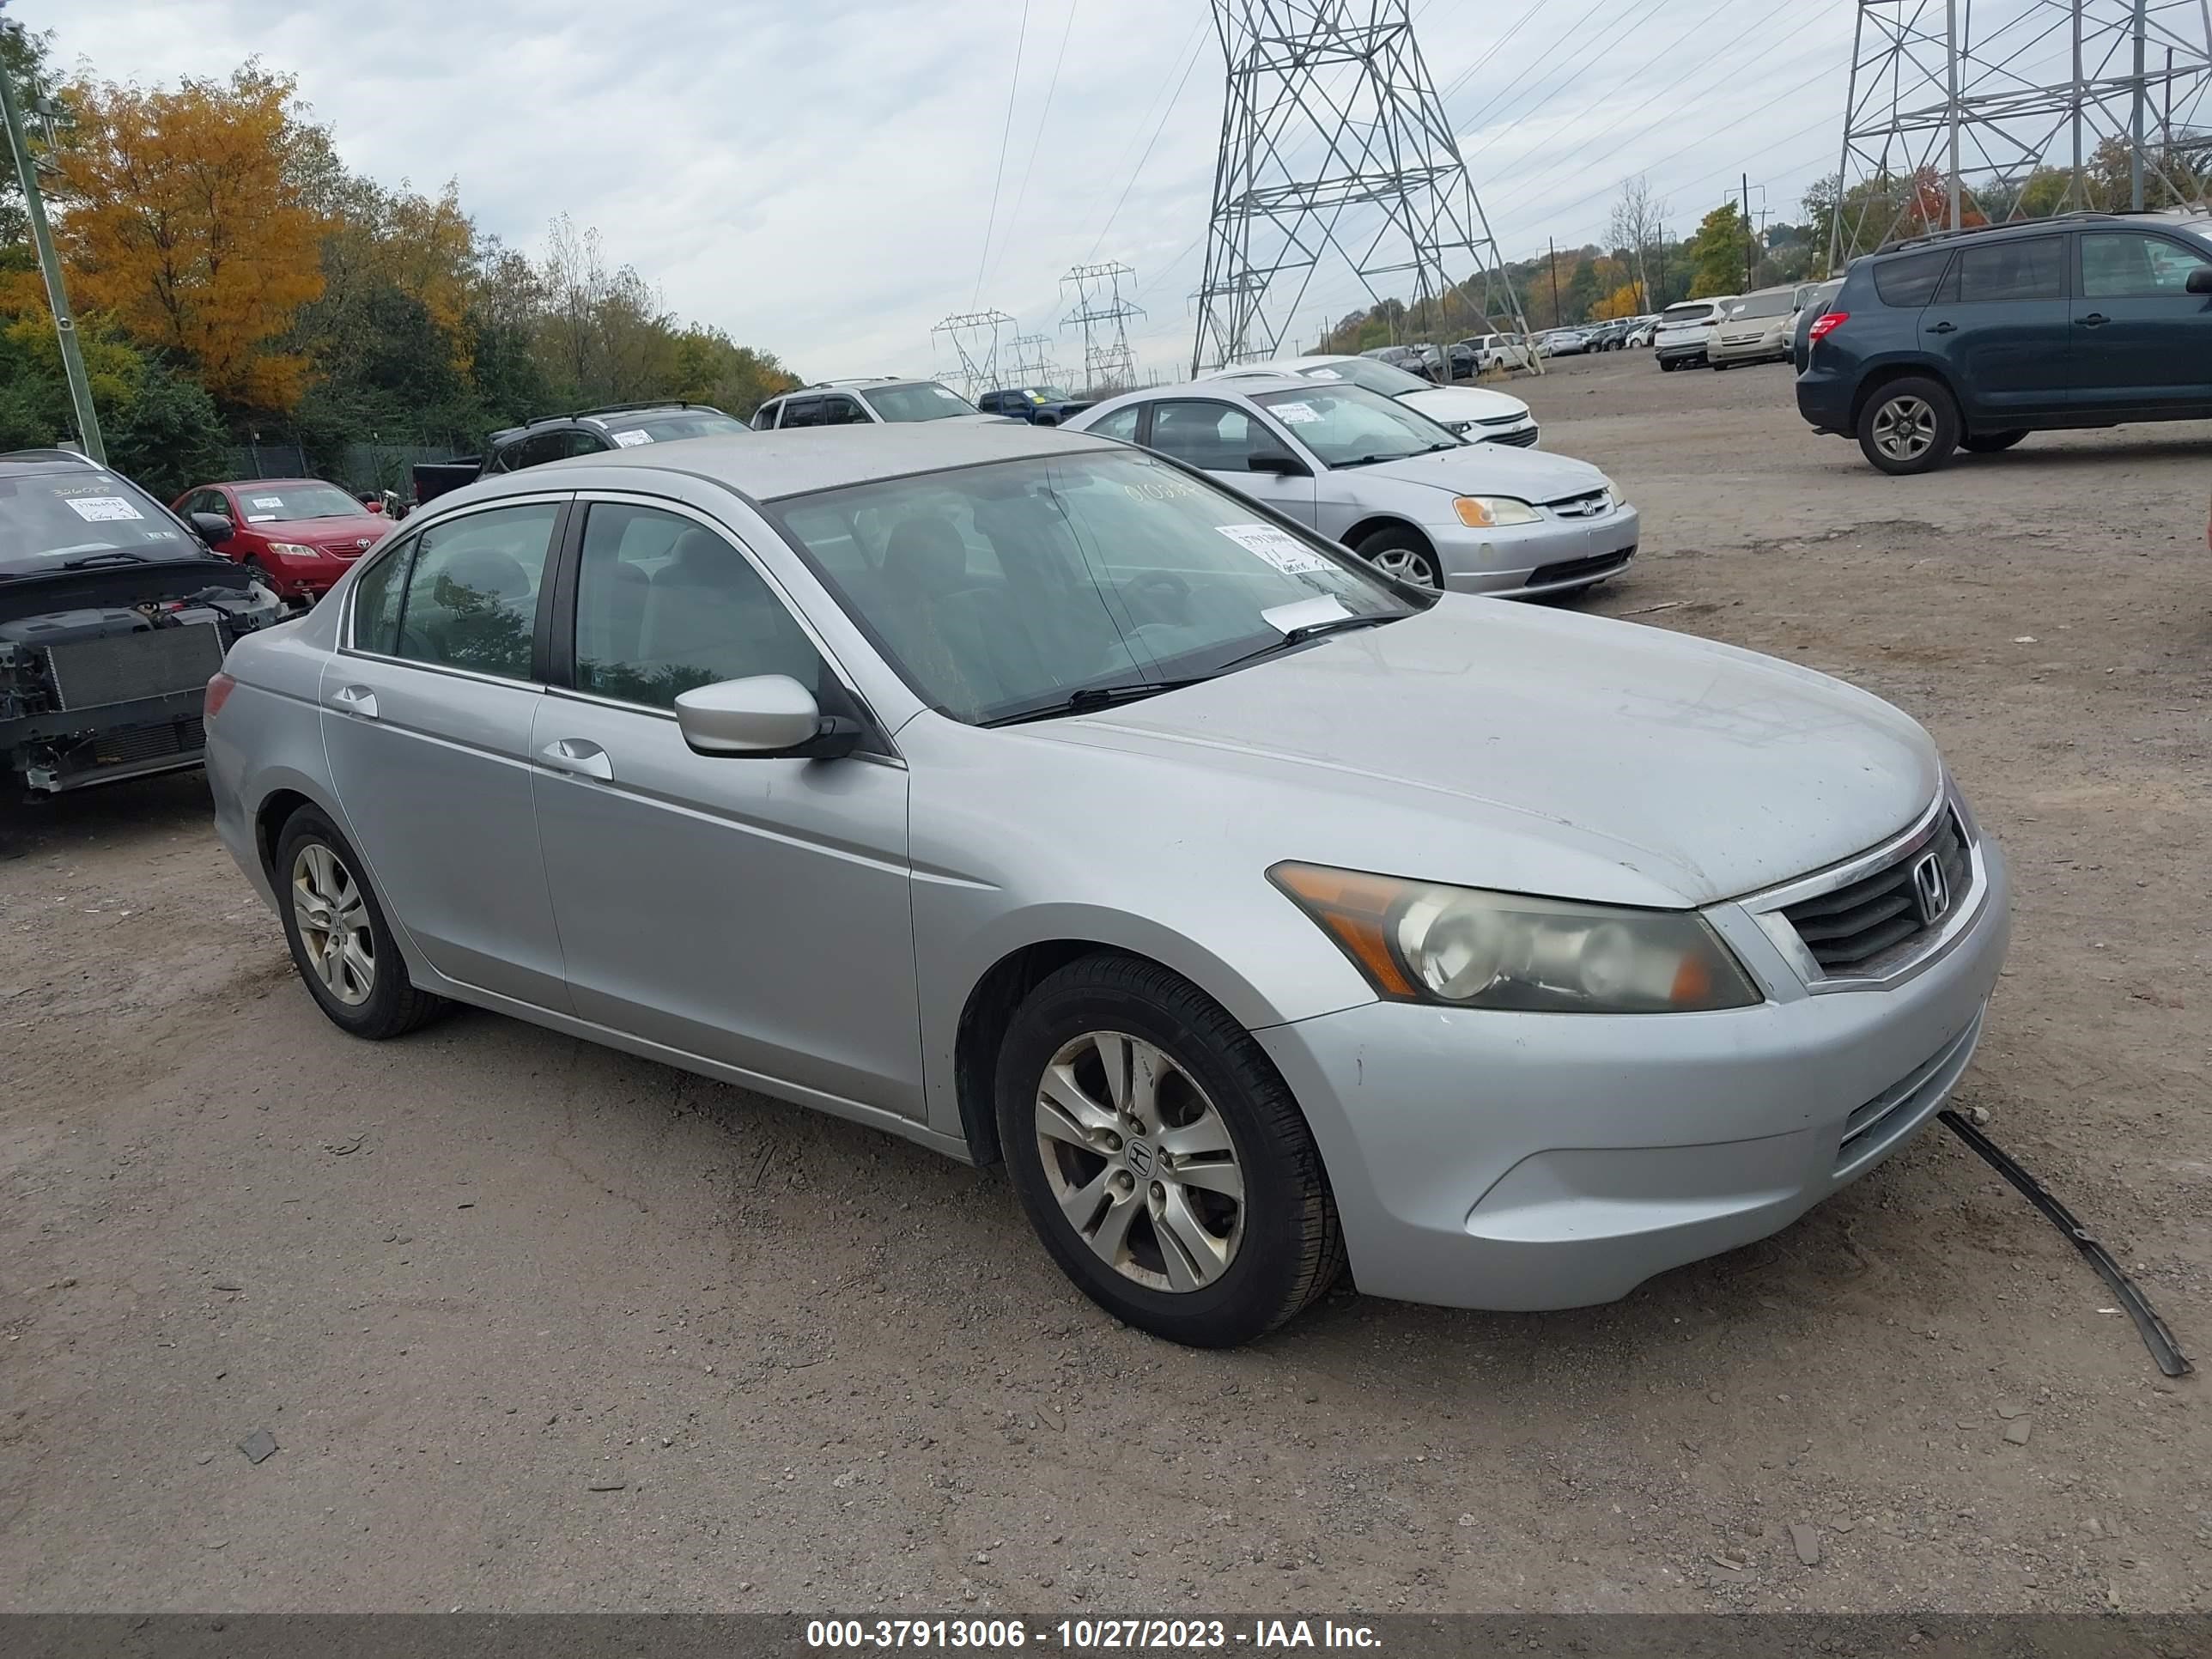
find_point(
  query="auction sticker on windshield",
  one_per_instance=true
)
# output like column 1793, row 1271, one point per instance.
column 101, row 509
column 269, row 500
column 1296, row 414
column 633, row 437
column 1323, row 374
column 1284, row 551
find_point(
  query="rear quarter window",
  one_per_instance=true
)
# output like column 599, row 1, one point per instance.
column 1910, row 278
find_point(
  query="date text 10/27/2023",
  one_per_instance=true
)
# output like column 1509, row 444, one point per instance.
column 1089, row 1634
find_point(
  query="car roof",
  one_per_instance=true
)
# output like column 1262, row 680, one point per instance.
column 768, row 465
column 257, row 484
column 2180, row 219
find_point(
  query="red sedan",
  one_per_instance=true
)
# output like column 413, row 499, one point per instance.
column 300, row 533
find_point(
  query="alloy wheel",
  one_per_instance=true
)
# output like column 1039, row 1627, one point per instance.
column 332, row 915
column 1904, row 428
column 1408, row 565
column 1140, row 1162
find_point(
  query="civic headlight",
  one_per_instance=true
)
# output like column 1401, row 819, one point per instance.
column 1490, row 511
column 1463, row 947
column 293, row 550
column 1457, row 428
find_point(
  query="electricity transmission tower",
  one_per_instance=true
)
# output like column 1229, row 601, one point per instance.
column 1959, row 113
column 1103, row 316
column 1333, row 139
column 1030, row 361
column 973, row 335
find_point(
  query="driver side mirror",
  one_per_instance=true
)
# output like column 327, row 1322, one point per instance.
column 2200, row 280
column 766, row 717
column 1280, row 462
column 215, row 528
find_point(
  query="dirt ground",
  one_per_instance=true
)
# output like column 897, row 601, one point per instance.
column 469, row 1279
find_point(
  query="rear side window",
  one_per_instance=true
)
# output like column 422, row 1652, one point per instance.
column 2034, row 268
column 471, row 599
column 1910, row 279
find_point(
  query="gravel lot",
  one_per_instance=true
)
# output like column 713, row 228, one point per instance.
column 538, row 1326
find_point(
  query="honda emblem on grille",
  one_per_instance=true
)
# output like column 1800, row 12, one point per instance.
column 1931, row 890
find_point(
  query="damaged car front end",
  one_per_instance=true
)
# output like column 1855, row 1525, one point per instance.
column 113, row 615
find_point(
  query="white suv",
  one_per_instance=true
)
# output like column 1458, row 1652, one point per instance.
column 874, row 402
column 1685, row 333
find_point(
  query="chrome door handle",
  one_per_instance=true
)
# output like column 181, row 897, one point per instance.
column 356, row 699
column 579, row 755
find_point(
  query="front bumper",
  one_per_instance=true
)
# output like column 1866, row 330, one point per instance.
column 1534, row 1161
column 65, row 750
column 1760, row 350
column 1529, row 560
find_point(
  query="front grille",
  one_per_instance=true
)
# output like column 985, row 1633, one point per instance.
column 1567, row 570
column 1850, row 928
column 126, row 667
column 1518, row 439
column 150, row 743
column 1595, row 504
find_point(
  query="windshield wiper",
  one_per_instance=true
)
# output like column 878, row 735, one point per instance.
column 1094, row 697
column 91, row 559
column 1304, row 631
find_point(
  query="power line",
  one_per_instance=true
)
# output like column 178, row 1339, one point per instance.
column 1190, row 43
column 1558, row 79
column 1038, row 139
column 1135, row 171
column 1005, row 132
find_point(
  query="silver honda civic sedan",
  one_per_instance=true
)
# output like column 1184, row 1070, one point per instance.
column 1034, row 797
column 1408, row 497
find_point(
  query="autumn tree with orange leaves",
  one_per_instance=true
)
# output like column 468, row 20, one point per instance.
column 185, row 222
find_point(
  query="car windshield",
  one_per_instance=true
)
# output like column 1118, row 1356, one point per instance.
column 1049, row 394
column 1365, row 371
column 927, row 401
column 51, row 521
column 629, row 430
column 1764, row 305
column 1006, row 590
column 268, row 503
column 1349, row 426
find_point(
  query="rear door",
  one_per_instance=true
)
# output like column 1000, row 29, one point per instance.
column 2143, row 341
column 426, row 718
column 2001, row 319
column 1221, row 439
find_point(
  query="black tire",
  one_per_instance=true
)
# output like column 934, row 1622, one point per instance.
column 1919, row 403
column 1991, row 443
column 393, row 1006
column 1287, row 1246
column 1407, row 548
column 1667, row 365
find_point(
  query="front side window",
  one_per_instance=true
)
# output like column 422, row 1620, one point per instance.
column 665, row 605
column 1909, row 281
column 999, row 590
column 1349, row 426
column 2034, row 268
column 802, row 411
column 1213, row 437
column 377, row 592
column 843, row 411
column 2126, row 264
column 1121, row 423
column 471, row 595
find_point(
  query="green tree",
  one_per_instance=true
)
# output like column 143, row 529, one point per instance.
column 1719, row 254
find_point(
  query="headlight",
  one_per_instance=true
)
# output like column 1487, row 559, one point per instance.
column 1457, row 428
column 1490, row 512
column 1461, row 946
column 293, row 550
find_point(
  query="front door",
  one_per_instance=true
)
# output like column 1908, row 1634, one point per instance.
column 1222, row 439
column 426, row 717
column 2003, row 320
column 2142, row 340
column 753, row 912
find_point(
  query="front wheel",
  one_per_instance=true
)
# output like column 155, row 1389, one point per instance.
column 1991, row 443
column 1404, row 554
column 1160, row 1157
column 1909, row 426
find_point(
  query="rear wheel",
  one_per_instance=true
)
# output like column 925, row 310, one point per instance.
column 1909, row 426
column 1161, row 1158
column 1989, row 443
column 341, row 943
column 1404, row 554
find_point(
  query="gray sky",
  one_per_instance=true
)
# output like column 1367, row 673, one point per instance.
column 816, row 176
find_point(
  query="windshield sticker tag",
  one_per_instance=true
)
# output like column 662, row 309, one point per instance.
column 1279, row 548
column 102, row 509
column 269, row 500
column 1323, row 374
column 1296, row 414
column 633, row 437
column 949, row 397
column 261, row 518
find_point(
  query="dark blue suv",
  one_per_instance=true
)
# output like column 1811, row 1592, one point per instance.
column 1978, row 338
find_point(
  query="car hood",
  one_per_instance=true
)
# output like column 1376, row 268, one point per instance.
column 1492, row 469
column 1462, row 402
column 1539, row 751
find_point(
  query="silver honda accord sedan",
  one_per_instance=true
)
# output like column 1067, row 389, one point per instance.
column 1035, row 798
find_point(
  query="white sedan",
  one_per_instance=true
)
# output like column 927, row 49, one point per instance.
column 1473, row 413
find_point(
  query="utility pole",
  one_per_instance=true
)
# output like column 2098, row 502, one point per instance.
column 1555, row 249
column 1750, row 242
column 50, row 265
column 2135, row 157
